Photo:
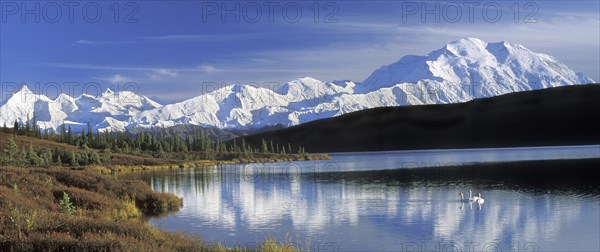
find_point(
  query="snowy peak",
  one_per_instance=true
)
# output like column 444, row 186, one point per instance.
column 305, row 83
column 25, row 90
column 468, row 47
column 473, row 61
column 108, row 91
column 76, row 112
column 460, row 71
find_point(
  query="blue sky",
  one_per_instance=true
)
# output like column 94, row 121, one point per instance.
column 172, row 49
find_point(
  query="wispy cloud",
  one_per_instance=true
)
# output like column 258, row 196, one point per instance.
column 160, row 74
column 174, row 72
column 103, row 42
column 174, row 38
column 198, row 37
column 162, row 71
column 207, row 68
column 117, row 78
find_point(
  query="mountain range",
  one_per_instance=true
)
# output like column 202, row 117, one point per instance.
column 460, row 71
column 558, row 116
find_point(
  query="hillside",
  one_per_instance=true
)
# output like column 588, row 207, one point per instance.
column 555, row 116
column 123, row 152
column 47, row 152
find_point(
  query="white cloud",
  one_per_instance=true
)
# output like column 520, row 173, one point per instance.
column 161, row 74
column 165, row 72
column 171, row 38
column 207, row 68
column 116, row 78
column 102, row 42
column 86, row 42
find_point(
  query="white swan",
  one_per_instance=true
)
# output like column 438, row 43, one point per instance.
column 462, row 200
column 480, row 200
column 462, row 197
column 471, row 198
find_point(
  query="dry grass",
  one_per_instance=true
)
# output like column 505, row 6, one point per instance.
column 106, row 216
column 104, row 211
column 38, row 144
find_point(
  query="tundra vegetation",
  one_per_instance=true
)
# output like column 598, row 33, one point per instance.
column 58, row 192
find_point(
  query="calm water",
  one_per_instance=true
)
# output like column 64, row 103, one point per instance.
column 385, row 201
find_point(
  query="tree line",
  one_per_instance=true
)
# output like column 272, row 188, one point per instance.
column 194, row 146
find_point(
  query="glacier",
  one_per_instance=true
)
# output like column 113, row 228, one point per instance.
column 460, row 71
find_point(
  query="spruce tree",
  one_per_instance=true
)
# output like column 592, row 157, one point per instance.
column 63, row 133
column 90, row 134
column 32, row 156
column 13, row 148
column 16, row 127
column 27, row 129
column 265, row 148
column 69, row 136
column 73, row 158
column 34, row 126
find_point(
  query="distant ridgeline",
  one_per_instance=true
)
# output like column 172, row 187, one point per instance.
column 460, row 71
column 555, row 116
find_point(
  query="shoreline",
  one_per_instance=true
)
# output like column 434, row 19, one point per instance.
column 60, row 208
column 111, row 169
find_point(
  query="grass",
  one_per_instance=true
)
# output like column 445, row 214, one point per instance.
column 85, row 208
column 103, row 212
column 61, row 209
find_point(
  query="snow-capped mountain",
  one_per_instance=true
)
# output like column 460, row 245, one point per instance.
column 494, row 66
column 108, row 111
column 460, row 71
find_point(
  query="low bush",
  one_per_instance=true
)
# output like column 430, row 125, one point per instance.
column 58, row 209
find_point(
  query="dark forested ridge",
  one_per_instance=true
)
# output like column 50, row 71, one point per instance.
column 555, row 116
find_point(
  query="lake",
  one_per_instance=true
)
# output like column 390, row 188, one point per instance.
column 536, row 199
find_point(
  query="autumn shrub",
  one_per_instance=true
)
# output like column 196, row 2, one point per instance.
column 157, row 203
column 106, row 217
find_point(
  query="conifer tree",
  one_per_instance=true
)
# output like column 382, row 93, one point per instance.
column 74, row 158
column 13, row 149
column 69, row 136
column 63, row 133
column 265, row 148
column 27, row 124
column 16, row 127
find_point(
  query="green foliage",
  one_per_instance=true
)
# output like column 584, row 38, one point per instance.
column 265, row 148
column 66, row 205
column 12, row 149
column 96, row 148
column 16, row 127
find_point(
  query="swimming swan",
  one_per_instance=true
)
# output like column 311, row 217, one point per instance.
column 462, row 197
column 471, row 198
column 480, row 200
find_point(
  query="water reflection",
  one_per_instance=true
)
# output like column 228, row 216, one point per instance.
column 392, row 210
